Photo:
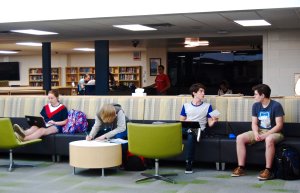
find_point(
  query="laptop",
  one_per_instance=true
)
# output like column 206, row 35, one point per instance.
column 190, row 124
column 36, row 121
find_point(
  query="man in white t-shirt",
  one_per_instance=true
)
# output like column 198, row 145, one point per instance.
column 196, row 110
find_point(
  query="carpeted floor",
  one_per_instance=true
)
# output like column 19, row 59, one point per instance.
column 58, row 177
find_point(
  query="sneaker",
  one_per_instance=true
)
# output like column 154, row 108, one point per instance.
column 265, row 174
column 189, row 167
column 239, row 171
column 19, row 137
column 19, row 130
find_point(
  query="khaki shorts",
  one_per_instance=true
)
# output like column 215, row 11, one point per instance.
column 277, row 136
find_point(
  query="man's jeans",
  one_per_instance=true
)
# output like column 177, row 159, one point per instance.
column 190, row 145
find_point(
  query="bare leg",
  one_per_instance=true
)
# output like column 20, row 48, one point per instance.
column 270, row 150
column 41, row 132
column 241, row 142
column 31, row 130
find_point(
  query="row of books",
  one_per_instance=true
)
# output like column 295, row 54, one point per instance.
column 40, row 71
column 128, row 77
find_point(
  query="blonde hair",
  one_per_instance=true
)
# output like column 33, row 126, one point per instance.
column 107, row 113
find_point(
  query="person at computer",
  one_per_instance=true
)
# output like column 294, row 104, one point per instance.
column 82, row 82
column 224, row 88
column 162, row 81
column 55, row 115
column 196, row 110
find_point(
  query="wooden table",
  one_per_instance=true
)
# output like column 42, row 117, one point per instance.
column 94, row 154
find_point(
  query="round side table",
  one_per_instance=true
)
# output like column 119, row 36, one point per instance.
column 94, row 154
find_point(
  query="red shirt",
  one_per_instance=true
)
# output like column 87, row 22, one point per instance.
column 161, row 82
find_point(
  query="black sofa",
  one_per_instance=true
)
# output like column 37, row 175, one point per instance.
column 256, row 152
column 214, row 147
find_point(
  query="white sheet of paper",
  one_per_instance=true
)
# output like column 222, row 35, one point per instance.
column 215, row 113
column 118, row 141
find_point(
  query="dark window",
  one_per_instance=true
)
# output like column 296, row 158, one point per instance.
column 242, row 69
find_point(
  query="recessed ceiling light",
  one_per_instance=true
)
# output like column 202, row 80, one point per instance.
column 29, row 44
column 135, row 27
column 85, row 49
column 248, row 23
column 34, row 32
column 7, row 52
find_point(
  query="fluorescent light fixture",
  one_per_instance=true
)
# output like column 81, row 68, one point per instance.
column 29, row 44
column 194, row 42
column 249, row 23
column 188, row 46
column 135, row 27
column 85, row 49
column 34, row 32
column 7, row 52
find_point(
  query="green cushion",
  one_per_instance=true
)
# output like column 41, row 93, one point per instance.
column 155, row 140
column 8, row 139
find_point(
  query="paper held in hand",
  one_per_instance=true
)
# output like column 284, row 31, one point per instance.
column 215, row 113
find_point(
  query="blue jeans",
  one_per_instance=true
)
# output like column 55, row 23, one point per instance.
column 190, row 145
column 122, row 135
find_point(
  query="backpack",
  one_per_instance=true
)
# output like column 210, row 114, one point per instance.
column 287, row 163
column 77, row 122
column 134, row 162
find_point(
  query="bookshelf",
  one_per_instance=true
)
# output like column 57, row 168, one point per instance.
column 87, row 70
column 126, row 75
column 36, row 77
column 72, row 75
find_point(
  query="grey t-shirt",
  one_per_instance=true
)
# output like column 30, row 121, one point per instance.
column 266, row 116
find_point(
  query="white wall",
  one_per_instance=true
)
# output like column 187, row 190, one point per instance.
column 281, row 60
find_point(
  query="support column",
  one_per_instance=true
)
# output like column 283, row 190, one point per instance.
column 102, row 66
column 46, row 59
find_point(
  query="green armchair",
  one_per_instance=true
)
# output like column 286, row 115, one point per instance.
column 155, row 141
column 9, row 141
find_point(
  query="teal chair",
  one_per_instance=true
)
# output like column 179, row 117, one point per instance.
column 155, row 141
column 9, row 142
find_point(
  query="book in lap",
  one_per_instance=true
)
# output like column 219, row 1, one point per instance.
column 36, row 121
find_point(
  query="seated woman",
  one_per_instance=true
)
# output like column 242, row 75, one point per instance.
column 54, row 114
